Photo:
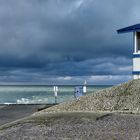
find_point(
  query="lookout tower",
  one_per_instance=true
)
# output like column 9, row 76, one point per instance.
column 136, row 48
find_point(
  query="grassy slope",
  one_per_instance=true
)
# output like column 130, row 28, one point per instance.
column 43, row 119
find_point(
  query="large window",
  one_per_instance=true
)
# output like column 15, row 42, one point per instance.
column 138, row 41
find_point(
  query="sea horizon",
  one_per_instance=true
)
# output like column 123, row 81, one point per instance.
column 57, row 84
column 41, row 94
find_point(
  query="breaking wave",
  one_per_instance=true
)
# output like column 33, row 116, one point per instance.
column 32, row 101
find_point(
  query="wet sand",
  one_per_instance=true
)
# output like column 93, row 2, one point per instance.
column 9, row 113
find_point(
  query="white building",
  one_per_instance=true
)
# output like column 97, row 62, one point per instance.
column 136, row 48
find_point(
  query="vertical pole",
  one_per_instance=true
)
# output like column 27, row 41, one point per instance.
column 55, row 99
column 55, row 88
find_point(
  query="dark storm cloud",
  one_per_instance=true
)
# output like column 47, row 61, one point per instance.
column 65, row 37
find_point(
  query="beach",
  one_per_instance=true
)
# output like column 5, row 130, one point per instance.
column 13, row 112
column 108, row 114
column 74, row 126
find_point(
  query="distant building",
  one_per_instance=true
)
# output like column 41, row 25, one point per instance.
column 136, row 51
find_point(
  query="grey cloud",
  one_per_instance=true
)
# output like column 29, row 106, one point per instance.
column 66, row 38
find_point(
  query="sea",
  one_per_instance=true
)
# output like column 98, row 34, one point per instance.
column 40, row 94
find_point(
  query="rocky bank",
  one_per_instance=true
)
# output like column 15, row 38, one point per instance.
column 124, row 98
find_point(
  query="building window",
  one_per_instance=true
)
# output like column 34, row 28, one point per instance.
column 138, row 41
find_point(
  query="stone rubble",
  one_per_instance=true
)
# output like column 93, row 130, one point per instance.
column 124, row 97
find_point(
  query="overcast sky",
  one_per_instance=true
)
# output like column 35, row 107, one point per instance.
column 66, row 41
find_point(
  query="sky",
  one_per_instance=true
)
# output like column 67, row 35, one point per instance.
column 66, row 41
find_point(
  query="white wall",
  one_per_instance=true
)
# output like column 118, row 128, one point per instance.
column 136, row 76
column 136, row 64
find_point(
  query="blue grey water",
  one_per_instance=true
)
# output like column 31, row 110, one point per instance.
column 39, row 94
